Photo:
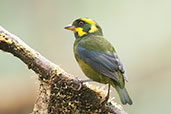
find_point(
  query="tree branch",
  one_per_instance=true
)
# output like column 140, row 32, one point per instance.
column 58, row 91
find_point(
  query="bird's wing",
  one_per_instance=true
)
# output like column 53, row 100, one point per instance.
column 106, row 64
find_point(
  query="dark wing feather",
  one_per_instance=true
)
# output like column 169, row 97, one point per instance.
column 106, row 64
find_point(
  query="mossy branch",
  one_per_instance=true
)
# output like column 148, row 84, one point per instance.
column 58, row 91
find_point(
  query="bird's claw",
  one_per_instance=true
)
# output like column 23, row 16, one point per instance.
column 105, row 100
column 79, row 84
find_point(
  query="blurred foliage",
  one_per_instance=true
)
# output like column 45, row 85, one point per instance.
column 140, row 31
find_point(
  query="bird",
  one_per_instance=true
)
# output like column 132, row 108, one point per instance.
column 97, row 57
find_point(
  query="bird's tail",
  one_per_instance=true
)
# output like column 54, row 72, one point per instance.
column 123, row 94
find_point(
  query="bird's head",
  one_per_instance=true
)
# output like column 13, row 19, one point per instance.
column 83, row 27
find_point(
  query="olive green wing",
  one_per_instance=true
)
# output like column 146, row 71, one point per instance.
column 107, row 64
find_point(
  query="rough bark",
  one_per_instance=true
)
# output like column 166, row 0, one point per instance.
column 58, row 92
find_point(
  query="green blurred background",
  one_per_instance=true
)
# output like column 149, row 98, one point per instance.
column 139, row 29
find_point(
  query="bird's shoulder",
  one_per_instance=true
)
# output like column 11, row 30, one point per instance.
column 97, row 43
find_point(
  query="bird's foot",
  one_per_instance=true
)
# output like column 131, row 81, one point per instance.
column 81, row 82
column 107, row 96
column 105, row 100
column 76, row 84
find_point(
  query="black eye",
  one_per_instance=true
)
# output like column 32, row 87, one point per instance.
column 81, row 23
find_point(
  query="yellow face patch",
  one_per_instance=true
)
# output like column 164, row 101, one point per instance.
column 93, row 29
column 80, row 31
column 92, row 23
